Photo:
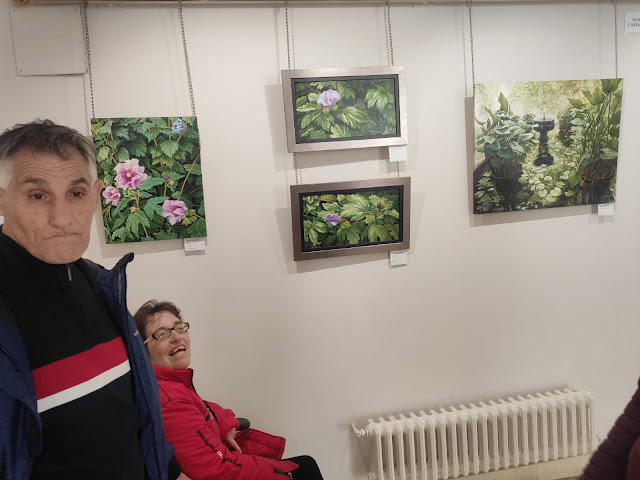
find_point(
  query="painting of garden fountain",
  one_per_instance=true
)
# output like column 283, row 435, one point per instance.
column 545, row 144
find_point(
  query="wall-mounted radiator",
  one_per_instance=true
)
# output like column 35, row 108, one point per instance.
column 467, row 440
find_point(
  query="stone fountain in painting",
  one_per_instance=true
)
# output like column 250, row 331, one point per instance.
column 544, row 126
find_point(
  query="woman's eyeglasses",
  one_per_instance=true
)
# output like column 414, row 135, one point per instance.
column 164, row 332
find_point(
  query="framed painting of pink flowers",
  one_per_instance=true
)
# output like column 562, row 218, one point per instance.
column 152, row 178
column 347, row 218
column 337, row 108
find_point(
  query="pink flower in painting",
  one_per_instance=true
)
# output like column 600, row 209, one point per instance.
column 130, row 174
column 174, row 210
column 329, row 98
column 111, row 195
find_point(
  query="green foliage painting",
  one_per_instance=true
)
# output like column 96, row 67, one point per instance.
column 152, row 178
column 350, row 218
column 546, row 144
column 334, row 109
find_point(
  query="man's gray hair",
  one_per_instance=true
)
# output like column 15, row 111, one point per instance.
column 44, row 136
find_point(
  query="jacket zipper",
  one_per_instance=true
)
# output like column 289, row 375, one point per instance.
column 122, row 302
column 288, row 474
column 193, row 387
column 210, row 411
column 144, row 393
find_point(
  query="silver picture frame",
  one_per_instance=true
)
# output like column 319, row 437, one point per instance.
column 335, row 130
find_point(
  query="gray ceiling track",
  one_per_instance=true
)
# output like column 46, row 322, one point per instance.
column 316, row 3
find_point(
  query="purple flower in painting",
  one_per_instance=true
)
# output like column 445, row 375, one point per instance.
column 166, row 178
column 130, row 174
column 111, row 195
column 332, row 219
column 178, row 127
column 329, row 98
column 174, row 210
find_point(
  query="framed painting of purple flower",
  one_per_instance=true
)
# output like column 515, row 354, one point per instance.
column 152, row 175
column 339, row 108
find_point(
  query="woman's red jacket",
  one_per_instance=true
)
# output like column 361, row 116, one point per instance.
column 197, row 430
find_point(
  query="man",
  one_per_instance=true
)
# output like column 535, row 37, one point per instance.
column 78, row 397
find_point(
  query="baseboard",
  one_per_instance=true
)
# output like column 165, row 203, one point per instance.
column 552, row 470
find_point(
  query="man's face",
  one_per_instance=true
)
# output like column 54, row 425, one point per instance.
column 48, row 205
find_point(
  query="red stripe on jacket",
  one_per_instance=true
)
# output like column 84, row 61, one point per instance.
column 71, row 371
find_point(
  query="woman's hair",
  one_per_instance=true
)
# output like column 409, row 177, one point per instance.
column 150, row 308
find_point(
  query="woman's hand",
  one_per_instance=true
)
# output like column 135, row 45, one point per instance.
column 231, row 440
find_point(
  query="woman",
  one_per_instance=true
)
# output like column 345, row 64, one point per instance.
column 204, row 435
column 618, row 456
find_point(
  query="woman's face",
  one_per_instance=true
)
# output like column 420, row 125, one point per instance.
column 173, row 351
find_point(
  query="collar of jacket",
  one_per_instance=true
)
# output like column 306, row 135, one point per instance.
column 183, row 375
column 27, row 268
column 114, row 288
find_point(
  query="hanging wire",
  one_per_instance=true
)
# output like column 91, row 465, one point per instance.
column 390, row 35
column 188, row 68
column 87, row 121
column 286, row 26
column 387, row 12
column 473, row 67
column 464, row 59
column 186, row 60
column 293, row 44
column 276, row 20
column 615, row 30
column 87, row 47
column 386, row 35
column 291, row 48
column 289, row 43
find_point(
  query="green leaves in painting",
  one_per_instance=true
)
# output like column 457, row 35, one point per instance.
column 343, row 109
column 505, row 139
column 595, row 130
column 153, row 180
column 350, row 219
column 583, row 167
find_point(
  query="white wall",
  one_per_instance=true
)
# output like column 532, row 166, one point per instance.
column 488, row 305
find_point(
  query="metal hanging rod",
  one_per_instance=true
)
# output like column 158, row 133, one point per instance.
column 312, row 3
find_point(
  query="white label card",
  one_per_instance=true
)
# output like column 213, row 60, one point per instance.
column 193, row 244
column 631, row 22
column 398, row 153
column 398, row 258
column 605, row 209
